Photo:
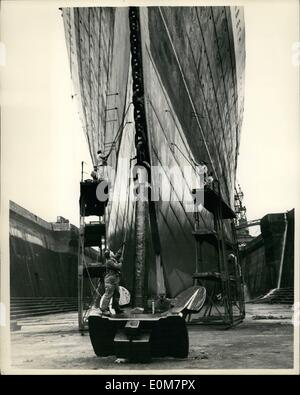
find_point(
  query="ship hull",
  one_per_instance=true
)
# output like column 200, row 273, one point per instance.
column 193, row 67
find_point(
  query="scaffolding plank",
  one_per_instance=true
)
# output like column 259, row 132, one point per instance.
column 212, row 200
column 93, row 234
column 89, row 203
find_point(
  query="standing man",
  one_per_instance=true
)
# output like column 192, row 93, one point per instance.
column 210, row 180
column 201, row 170
column 102, row 163
column 102, row 159
column 94, row 174
column 233, row 265
column 111, row 282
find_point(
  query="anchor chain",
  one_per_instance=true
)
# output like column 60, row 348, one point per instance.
column 141, row 140
column 142, row 156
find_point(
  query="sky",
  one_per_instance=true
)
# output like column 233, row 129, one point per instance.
column 268, row 165
column 43, row 144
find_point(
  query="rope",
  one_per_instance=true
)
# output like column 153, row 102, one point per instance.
column 120, row 129
column 95, row 289
column 192, row 164
column 117, row 137
column 127, row 207
column 85, row 264
column 186, row 87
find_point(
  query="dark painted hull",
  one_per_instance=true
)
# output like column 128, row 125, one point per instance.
column 193, row 67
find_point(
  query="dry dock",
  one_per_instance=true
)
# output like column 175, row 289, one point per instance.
column 263, row 341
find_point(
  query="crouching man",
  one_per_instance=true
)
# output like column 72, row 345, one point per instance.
column 111, row 282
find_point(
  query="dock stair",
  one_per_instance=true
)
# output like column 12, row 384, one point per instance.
column 23, row 307
column 277, row 296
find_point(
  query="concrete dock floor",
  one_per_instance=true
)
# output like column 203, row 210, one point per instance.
column 263, row 341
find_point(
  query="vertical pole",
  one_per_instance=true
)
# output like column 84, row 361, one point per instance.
column 160, row 284
column 239, row 278
column 282, row 251
column 82, row 171
column 80, row 264
column 228, row 304
column 218, row 216
column 140, row 256
column 197, row 257
column 196, row 241
column 80, row 278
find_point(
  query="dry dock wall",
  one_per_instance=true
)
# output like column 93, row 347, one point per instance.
column 261, row 258
column 43, row 255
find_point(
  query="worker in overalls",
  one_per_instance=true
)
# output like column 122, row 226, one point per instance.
column 233, row 266
column 111, row 282
column 94, row 174
column 209, row 180
column 234, row 269
column 102, row 164
column 201, row 170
